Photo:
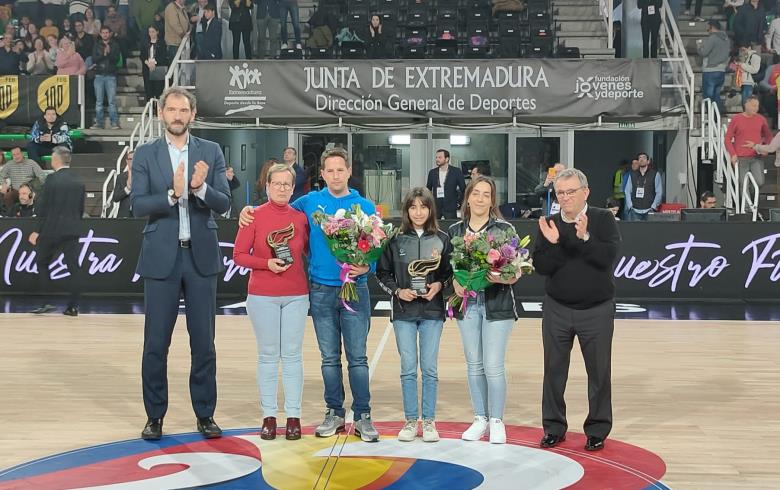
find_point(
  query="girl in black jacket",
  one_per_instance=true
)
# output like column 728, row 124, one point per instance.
column 488, row 320
column 418, row 305
column 240, row 24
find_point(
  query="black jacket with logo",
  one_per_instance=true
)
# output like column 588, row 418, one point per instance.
column 392, row 273
column 500, row 299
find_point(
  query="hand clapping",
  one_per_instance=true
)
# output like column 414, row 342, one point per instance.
column 199, row 175
column 549, row 230
column 582, row 226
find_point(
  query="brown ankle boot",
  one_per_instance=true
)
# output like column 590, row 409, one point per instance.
column 293, row 429
column 268, row 432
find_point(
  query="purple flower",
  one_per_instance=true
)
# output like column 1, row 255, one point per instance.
column 508, row 251
column 514, row 242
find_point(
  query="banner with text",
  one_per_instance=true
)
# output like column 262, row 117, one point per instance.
column 451, row 89
column 24, row 98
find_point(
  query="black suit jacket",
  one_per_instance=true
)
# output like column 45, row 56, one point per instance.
column 60, row 208
column 209, row 42
column 121, row 196
column 454, row 188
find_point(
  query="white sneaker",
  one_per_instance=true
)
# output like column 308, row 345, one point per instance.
column 408, row 432
column 430, row 434
column 298, row 46
column 497, row 431
column 284, row 45
column 478, row 429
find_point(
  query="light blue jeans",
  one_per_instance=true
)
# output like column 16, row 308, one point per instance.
column 105, row 84
column 484, row 345
column 279, row 322
column 406, row 333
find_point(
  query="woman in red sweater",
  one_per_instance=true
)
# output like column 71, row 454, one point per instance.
column 278, row 297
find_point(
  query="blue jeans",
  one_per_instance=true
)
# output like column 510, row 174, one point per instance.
column 279, row 322
column 105, row 84
column 484, row 345
column 406, row 340
column 332, row 322
column 634, row 216
column 292, row 9
column 711, row 84
column 747, row 91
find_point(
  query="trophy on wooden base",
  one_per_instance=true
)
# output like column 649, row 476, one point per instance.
column 278, row 241
column 419, row 270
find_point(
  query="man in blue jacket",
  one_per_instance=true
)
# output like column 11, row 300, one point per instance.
column 209, row 40
column 333, row 321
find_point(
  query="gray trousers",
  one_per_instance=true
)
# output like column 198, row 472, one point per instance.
column 753, row 164
column 267, row 37
column 593, row 328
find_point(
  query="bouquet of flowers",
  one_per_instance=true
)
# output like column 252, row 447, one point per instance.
column 354, row 238
column 500, row 253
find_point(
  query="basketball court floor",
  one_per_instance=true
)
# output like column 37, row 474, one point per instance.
column 696, row 395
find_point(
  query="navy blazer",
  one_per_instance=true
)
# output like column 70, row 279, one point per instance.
column 152, row 177
column 209, row 42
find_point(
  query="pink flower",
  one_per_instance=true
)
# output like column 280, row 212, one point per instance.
column 493, row 256
column 363, row 245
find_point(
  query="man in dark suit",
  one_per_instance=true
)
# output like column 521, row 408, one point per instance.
column 447, row 184
column 60, row 210
column 209, row 41
column 177, row 182
column 122, row 188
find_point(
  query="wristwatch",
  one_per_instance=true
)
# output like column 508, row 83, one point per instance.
column 172, row 195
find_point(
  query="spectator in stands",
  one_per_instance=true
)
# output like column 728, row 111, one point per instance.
column 122, row 189
column 290, row 157
column 260, row 189
column 696, row 10
column 290, row 7
column 105, row 57
column 101, row 9
column 177, row 24
column 447, row 184
column 744, row 130
column 24, row 23
column 749, row 25
column 51, row 49
column 66, row 28
column 144, row 12
column 376, row 40
column 29, row 39
column 707, row 200
column 154, row 60
column 267, row 13
column 39, row 62
column 25, row 208
column 613, row 205
column 773, row 36
column 118, row 26
column 196, row 11
column 9, row 59
column 651, row 24
column 644, row 190
column 9, row 31
column 618, row 184
column 68, row 61
column 322, row 27
column 49, row 29
column 730, row 9
column 91, row 24
column 240, row 25
column 5, row 16
column 747, row 64
column 210, row 42
column 546, row 190
column 479, row 169
column 46, row 133
column 715, row 52
column 85, row 44
column 19, row 170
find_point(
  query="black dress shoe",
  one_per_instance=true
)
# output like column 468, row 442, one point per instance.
column 209, row 428
column 71, row 311
column 153, row 430
column 551, row 440
column 594, row 443
column 43, row 309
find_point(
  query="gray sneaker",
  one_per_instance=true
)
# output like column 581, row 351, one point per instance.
column 365, row 429
column 331, row 425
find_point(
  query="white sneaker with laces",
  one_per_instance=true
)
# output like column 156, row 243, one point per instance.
column 298, row 46
column 430, row 434
column 408, row 432
column 478, row 429
column 284, row 45
column 497, row 431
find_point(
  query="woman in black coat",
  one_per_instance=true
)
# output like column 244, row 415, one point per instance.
column 240, row 24
column 154, row 54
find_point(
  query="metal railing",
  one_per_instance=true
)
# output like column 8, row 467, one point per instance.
column 713, row 147
column 749, row 200
column 674, row 54
column 606, row 9
column 181, row 69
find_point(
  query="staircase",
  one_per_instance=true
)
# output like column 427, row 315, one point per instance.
column 578, row 23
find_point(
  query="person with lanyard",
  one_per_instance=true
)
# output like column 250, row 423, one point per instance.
column 418, row 304
column 446, row 183
column 644, row 190
column 576, row 251
column 488, row 320
column 545, row 190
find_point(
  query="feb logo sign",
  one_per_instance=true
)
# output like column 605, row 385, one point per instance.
column 241, row 460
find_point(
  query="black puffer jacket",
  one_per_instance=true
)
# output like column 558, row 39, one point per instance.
column 501, row 300
column 392, row 273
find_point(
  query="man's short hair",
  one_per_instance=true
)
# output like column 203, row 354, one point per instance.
column 752, row 97
column 15, row 147
column 335, row 152
column 64, row 153
column 50, row 108
column 446, row 153
column 290, row 148
column 105, row 28
column 178, row 92
column 642, row 153
column 714, row 23
column 573, row 173
column 210, row 7
column 706, row 195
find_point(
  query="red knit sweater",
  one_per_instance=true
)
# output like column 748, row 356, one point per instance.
column 742, row 129
column 251, row 250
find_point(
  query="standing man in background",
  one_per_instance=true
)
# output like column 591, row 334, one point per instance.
column 447, row 185
column 178, row 180
column 644, row 190
column 302, row 187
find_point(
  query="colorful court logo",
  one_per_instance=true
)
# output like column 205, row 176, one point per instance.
column 241, row 460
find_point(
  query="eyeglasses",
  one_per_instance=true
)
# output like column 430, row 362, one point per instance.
column 281, row 185
column 568, row 193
